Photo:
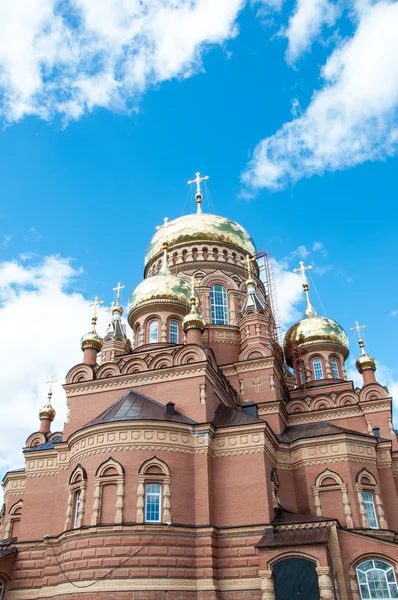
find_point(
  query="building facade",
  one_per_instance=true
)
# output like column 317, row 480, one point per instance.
column 202, row 461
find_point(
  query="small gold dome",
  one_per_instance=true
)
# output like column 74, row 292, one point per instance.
column 365, row 361
column 47, row 412
column 200, row 227
column 193, row 320
column 314, row 330
column 160, row 288
column 91, row 340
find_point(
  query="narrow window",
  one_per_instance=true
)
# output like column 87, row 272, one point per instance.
column 317, row 366
column 219, row 305
column 376, row 579
column 2, row 588
column 370, row 509
column 153, row 332
column 76, row 509
column 173, row 332
column 153, row 492
column 335, row 368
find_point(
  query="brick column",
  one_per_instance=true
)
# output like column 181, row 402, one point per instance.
column 267, row 585
column 325, row 583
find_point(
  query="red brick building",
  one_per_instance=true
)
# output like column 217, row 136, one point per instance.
column 201, row 462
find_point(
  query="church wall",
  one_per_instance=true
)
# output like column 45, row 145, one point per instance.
column 287, row 490
column 242, row 489
column 389, row 498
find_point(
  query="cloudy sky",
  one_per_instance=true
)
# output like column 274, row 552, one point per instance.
column 109, row 107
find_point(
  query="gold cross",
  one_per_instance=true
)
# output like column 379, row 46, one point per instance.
column 111, row 308
column 95, row 304
column 302, row 269
column 117, row 290
column 166, row 223
column 197, row 180
column 51, row 381
column 358, row 328
column 248, row 260
column 194, row 283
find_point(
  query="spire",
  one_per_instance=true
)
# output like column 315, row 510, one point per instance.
column 91, row 343
column 253, row 298
column 365, row 364
column 309, row 310
column 47, row 413
column 116, row 341
column 198, row 194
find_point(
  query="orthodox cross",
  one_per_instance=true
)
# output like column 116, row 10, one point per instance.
column 117, row 289
column 194, row 283
column 50, row 382
column 358, row 328
column 165, row 224
column 302, row 269
column 95, row 304
column 111, row 308
column 248, row 260
column 198, row 194
column 256, row 384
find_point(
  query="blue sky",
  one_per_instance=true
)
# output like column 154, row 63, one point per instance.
column 91, row 184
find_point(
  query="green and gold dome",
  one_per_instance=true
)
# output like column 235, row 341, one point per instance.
column 200, row 227
column 160, row 288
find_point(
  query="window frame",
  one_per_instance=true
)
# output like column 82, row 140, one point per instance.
column 76, row 507
column 150, row 333
column 319, row 365
column 336, row 368
column 223, row 306
column 157, row 495
column 366, row 583
column 372, row 508
column 173, row 323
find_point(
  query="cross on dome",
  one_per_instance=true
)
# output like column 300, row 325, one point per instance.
column 248, row 263
column 358, row 328
column 302, row 269
column 95, row 304
column 118, row 289
column 198, row 194
column 50, row 382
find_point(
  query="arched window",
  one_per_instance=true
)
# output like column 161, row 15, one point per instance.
column 219, row 305
column 376, row 579
column 76, row 498
column 369, row 504
column 153, row 332
column 318, row 370
column 108, row 493
column 153, row 502
column 335, row 368
column 173, row 332
column 2, row 589
column 76, row 508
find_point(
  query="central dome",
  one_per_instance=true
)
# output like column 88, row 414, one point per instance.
column 201, row 227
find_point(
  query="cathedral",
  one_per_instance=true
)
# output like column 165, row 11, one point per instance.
column 204, row 458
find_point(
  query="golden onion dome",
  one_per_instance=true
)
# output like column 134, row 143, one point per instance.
column 91, row 340
column 313, row 330
column 200, row 227
column 193, row 320
column 47, row 412
column 365, row 361
column 160, row 288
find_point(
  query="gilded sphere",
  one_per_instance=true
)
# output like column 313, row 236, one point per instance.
column 313, row 330
column 91, row 340
column 202, row 227
column 365, row 362
column 47, row 412
column 160, row 288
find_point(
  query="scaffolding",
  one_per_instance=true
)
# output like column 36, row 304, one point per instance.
column 266, row 274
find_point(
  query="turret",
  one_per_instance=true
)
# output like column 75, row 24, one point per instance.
column 194, row 324
column 365, row 364
column 91, row 343
column 316, row 347
column 116, row 341
column 47, row 413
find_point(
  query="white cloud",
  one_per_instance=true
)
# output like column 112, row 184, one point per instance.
column 41, row 323
column 352, row 119
column 306, row 23
column 301, row 252
column 72, row 56
column 394, row 313
column 289, row 291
